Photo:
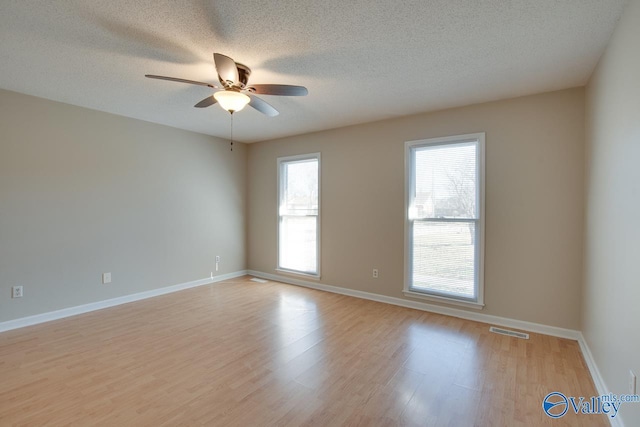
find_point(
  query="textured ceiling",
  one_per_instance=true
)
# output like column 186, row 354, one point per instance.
column 361, row 60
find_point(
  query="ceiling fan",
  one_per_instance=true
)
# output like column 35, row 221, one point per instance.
column 235, row 93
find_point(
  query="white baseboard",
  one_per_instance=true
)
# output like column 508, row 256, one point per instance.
column 449, row 311
column 591, row 364
column 601, row 386
column 85, row 308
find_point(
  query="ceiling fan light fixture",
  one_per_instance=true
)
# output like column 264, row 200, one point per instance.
column 234, row 78
column 231, row 101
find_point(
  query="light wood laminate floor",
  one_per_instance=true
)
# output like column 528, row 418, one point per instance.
column 246, row 353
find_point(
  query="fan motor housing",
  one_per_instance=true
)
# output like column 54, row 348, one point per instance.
column 243, row 74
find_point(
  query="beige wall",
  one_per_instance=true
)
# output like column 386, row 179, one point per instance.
column 84, row 192
column 611, row 309
column 534, row 202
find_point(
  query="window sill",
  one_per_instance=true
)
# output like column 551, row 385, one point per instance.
column 298, row 273
column 445, row 300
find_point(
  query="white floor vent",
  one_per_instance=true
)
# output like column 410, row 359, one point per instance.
column 255, row 279
column 509, row 333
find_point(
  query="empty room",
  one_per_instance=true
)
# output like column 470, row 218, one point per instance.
column 303, row 213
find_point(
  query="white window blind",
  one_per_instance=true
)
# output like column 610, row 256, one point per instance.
column 298, row 213
column 445, row 217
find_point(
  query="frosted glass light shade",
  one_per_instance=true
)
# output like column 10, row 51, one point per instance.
column 231, row 101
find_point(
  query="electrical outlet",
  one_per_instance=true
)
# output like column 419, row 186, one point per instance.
column 375, row 273
column 17, row 292
column 217, row 262
column 106, row 278
column 217, row 258
column 632, row 382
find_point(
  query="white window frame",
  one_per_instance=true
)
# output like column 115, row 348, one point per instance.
column 281, row 162
column 410, row 147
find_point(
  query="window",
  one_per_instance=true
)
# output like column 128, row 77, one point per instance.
column 445, row 219
column 298, row 214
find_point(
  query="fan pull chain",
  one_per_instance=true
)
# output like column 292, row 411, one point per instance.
column 231, row 130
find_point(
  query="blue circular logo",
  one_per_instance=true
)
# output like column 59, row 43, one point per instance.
column 555, row 404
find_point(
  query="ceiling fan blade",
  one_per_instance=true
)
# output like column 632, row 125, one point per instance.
column 227, row 69
column 262, row 106
column 284, row 90
column 207, row 102
column 174, row 79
